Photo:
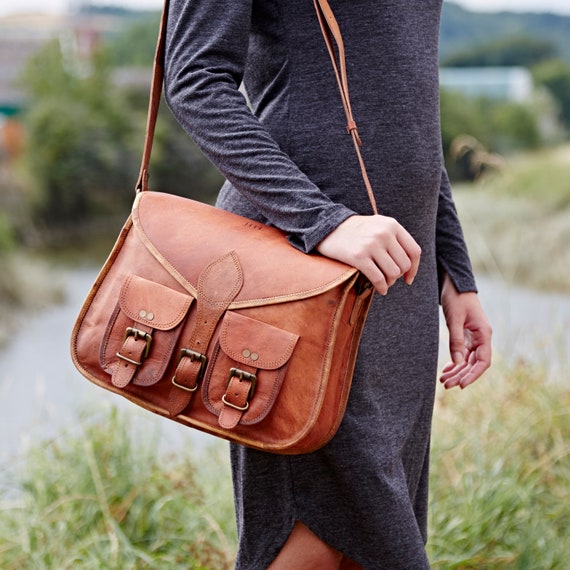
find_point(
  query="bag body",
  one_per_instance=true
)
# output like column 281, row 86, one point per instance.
column 217, row 322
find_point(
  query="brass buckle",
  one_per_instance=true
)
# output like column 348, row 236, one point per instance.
column 131, row 331
column 242, row 375
column 193, row 356
column 138, row 334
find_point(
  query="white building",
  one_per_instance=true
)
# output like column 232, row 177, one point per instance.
column 507, row 83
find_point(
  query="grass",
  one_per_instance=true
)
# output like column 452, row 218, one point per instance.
column 501, row 475
column 103, row 497
column 517, row 223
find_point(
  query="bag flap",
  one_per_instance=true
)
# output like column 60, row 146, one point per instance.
column 256, row 343
column 158, row 306
column 185, row 236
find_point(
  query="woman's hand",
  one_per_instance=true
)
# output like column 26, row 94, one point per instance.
column 469, row 337
column 376, row 245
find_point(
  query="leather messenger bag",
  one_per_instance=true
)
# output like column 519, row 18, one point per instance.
column 217, row 322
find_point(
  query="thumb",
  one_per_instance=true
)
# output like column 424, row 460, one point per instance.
column 457, row 347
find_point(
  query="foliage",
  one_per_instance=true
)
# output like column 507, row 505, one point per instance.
column 498, row 126
column 77, row 139
column 501, row 473
column 510, row 51
column 462, row 29
column 517, row 221
column 135, row 46
column 84, row 146
column 555, row 76
column 105, row 498
column 6, row 235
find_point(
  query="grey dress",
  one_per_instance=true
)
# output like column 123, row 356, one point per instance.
column 291, row 164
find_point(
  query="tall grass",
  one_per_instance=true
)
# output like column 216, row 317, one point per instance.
column 542, row 176
column 500, row 484
column 104, row 498
column 517, row 223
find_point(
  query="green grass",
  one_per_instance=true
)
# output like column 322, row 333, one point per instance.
column 500, row 483
column 517, row 223
column 542, row 176
column 103, row 497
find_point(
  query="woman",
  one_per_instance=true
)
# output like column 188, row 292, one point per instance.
column 361, row 501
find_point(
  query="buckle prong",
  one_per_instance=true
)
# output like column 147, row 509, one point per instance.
column 243, row 375
column 193, row 356
column 138, row 334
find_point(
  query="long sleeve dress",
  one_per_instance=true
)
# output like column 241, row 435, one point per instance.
column 289, row 162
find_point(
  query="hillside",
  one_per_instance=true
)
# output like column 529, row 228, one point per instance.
column 461, row 28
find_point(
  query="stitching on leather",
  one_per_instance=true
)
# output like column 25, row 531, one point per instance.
column 155, row 324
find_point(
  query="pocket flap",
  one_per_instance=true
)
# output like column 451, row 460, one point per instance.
column 255, row 343
column 157, row 306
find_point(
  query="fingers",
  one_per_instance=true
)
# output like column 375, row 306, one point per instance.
column 464, row 374
column 476, row 361
column 378, row 246
column 394, row 252
column 413, row 253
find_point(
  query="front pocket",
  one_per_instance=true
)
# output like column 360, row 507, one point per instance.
column 148, row 320
column 251, row 352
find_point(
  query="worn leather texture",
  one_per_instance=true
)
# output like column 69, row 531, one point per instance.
column 217, row 322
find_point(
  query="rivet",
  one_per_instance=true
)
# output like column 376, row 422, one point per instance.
column 254, row 356
column 150, row 316
column 245, row 353
column 142, row 314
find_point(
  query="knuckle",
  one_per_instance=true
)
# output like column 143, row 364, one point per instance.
column 406, row 266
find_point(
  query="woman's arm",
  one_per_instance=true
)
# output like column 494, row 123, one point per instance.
column 207, row 43
column 451, row 250
column 206, row 50
column 469, row 329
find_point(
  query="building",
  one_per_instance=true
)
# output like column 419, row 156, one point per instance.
column 506, row 83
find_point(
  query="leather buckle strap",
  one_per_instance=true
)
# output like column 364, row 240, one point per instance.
column 240, row 388
column 241, row 376
column 194, row 357
column 138, row 334
column 136, row 347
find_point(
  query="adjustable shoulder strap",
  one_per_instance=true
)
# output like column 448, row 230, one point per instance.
column 154, row 100
column 331, row 32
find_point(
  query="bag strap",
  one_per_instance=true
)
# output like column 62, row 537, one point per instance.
column 331, row 33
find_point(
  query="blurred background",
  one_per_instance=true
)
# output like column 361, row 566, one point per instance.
column 88, row 480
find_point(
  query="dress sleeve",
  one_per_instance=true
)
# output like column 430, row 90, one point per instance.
column 206, row 52
column 451, row 250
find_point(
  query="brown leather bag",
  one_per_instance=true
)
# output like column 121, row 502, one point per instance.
column 217, row 322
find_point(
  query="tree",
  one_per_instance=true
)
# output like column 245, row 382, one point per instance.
column 555, row 76
column 78, row 139
column 512, row 51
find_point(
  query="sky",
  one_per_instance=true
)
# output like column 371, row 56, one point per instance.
column 54, row 6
